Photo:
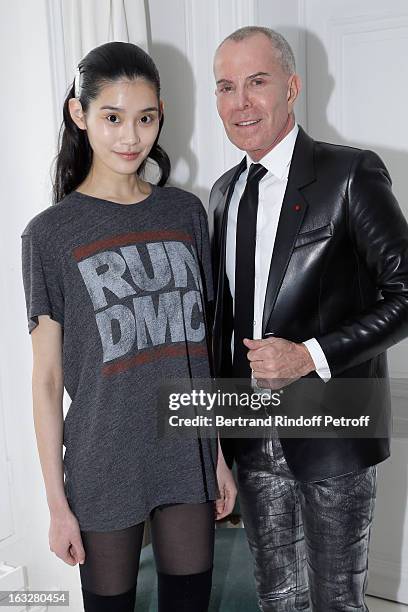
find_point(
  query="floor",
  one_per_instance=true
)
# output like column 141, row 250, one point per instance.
column 374, row 604
column 381, row 605
column 233, row 584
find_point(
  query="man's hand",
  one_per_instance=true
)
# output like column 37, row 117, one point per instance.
column 277, row 362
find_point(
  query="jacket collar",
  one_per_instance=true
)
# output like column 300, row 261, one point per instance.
column 302, row 165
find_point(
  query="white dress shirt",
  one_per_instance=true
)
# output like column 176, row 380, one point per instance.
column 271, row 192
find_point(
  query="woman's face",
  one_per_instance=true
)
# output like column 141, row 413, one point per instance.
column 123, row 119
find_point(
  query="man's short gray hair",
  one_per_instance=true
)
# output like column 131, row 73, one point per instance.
column 285, row 54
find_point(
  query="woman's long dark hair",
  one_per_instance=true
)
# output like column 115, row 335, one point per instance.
column 101, row 66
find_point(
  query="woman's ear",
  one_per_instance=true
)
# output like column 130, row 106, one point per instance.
column 76, row 112
column 161, row 109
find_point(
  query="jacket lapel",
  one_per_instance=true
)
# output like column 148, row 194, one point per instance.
column 293, row 210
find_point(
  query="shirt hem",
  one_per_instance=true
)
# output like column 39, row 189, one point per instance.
column 141, row 517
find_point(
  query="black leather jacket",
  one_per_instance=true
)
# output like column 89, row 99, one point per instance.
column 339, row 273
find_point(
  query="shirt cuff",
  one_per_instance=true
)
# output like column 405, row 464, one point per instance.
column 319, row 358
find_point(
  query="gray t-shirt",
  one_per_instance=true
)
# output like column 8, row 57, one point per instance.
column 130, row 285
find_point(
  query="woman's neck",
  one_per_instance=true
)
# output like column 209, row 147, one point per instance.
column 127, row 191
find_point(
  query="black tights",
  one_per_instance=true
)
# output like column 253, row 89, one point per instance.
column 183, row 547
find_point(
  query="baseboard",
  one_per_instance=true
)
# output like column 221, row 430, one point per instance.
column 388, row 580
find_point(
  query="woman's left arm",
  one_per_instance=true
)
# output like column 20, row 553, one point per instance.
column 226, row 482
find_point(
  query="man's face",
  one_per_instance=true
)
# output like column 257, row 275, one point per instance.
column 254, row 94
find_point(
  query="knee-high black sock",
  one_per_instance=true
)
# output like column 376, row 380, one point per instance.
column 184, row 592
column 124, row 602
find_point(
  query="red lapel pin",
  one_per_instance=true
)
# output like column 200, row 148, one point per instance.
column 297, row 207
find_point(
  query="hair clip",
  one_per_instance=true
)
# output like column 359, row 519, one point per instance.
column 77, row 82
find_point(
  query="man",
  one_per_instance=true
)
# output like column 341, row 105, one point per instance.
column 311, row 270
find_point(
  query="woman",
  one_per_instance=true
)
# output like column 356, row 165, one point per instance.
column 118, row 283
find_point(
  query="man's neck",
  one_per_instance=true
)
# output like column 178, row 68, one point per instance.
column 256, row 156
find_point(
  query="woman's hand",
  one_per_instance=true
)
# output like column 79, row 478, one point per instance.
column 65, row 537
column 226, row 484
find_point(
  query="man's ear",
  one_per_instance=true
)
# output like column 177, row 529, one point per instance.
column 76, row 112
column 294, row 88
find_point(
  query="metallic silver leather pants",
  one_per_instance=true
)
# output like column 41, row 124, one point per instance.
column 309, row 541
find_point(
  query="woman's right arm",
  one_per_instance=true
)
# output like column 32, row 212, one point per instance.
column 48, row 389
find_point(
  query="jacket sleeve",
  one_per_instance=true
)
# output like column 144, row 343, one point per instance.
column 379, row 233
column 204, row 257
column 227, row 444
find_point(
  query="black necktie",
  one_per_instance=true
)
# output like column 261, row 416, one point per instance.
column 245, row 270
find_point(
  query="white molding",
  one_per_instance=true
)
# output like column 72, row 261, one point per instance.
column 302, row 59
column 235, row 14
column 246, row 12
column 302, row 13
column 190, row 37
column 7, row 529
column 221, row 21
column 57, row 58
column 255, row 12
column 398, row 374
column 339, row 29
column 388, row 580
column 219, row 13
column 399, row 398
column 380, row 17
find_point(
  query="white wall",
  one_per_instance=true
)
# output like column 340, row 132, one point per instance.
column 354, row 54
column 184, row 35
column 26, row 154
